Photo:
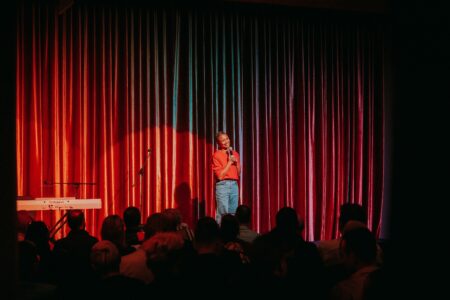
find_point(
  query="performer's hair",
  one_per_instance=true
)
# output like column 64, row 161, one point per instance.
column 220, row 133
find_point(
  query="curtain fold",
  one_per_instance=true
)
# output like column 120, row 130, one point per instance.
column 104, row 92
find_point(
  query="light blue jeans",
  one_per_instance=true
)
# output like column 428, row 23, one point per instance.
column 227, row 196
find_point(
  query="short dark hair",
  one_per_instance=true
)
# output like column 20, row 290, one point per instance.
column 351, row 212
column 243, row 214
column 287, row 219
column 173, row 216
column 156, row 222
column 75, row 219
column 229, row 228
column 220, row 133
column 132, row 217
column 207, row 230
column 113, row 229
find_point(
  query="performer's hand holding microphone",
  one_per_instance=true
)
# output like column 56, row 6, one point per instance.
column 230, row 154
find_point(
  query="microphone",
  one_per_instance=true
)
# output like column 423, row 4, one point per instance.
column 230, row 151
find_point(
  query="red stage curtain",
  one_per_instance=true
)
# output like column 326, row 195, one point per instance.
column 300, row 95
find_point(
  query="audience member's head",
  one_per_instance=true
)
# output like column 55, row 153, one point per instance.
column 75, row 219
column 156, row 222
column 39, row 234
column 113, row 229
column 173, row 216
column 162, row 253
column 105, row 257
column 358, row 247
column 243, row 214
column 206, row 232
column 132, row 217
column 229, row 228
column 351, row 211
column 287, row 220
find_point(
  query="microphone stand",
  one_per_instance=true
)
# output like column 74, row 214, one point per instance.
column 141, row 176
column 63, row 220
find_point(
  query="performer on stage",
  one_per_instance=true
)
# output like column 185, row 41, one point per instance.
column 227, row 168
